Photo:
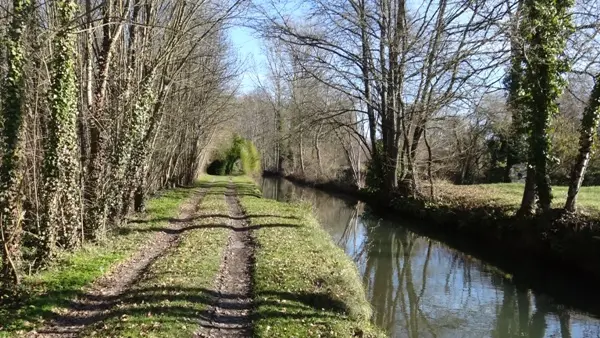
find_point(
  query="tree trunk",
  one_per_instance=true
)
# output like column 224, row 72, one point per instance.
column 318, row 149
column 429, row 166
column 413, row 183
column 376, row 161
column 11, row 174
column 589, row 127
column 541, row 145
column 62, row 206
column 280, row 147
column 528, row 202
column 301, row 152
column 547, row 25
column 139, row 199
column 95, row 223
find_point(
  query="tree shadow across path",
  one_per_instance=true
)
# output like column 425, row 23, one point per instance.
column 150, row 308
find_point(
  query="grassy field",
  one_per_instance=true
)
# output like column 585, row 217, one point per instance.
column 510, row 194
column 304, row 285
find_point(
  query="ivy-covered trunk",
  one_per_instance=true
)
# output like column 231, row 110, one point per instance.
column 528, row 202
column 126, row 159
column 95, row 191
column 547, row 24
column 61, row 221
column 139, row 199
column 134, row 118
column 11, row 174
column 589, row 128
column 543, row 107
column 138, row 166
column 516, row 144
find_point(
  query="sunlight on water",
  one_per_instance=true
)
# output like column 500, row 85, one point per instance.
column 420, row 287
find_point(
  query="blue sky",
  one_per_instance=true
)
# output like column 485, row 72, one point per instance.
column 250, row 53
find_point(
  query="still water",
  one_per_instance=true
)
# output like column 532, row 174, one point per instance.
column 420, row 287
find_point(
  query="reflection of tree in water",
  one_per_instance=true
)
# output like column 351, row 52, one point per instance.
column 514, row 318
column 397, row 287
column 395, row 264
column 390, row 277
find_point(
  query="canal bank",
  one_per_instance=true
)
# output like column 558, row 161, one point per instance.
column 561, row 242
column 420, row 286
column 303, row 284
column 212, row 260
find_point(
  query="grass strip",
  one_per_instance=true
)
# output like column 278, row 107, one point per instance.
column 173, row 294
column 43, row 294
column 304, row 285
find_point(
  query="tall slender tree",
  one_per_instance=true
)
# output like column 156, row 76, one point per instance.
column 589, row 128
column 61, row 222
column 547, row 25
column 518, row 129
column 95, row 191
column 11, row 175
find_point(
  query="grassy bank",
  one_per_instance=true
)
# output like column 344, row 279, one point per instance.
column 175, row 292
column 45, row 293
column 481, row 219
column 304, row 285
column 509, row 195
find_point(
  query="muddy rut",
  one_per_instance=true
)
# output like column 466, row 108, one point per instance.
column 230, row 313
column 102, row 295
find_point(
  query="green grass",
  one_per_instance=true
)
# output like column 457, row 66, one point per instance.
column 304, row 285
column 510, row 195
column 168, row 301
column 45, row 293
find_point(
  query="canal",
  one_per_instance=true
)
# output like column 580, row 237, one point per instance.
column 421, row 287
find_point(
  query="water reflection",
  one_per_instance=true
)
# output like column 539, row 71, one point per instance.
column 422, row 288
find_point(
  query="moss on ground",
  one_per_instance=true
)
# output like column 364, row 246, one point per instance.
column 304, row 285
column 175, row 292
column 43, row 294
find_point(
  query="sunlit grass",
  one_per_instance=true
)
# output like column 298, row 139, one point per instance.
column 304, row 285
column 170, row 298
column 510, row 195
column 46, row 292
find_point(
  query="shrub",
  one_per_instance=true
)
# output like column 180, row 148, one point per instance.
column 241, row 157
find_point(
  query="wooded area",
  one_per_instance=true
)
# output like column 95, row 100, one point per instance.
column 103, row 103
column 471, row 92
column 106, row 102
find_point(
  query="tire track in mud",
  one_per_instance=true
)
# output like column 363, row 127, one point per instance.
column 230, row 314
column 100, row 297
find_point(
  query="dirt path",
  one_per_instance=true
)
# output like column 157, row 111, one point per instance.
column 230, row 314
column 103, row 294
